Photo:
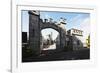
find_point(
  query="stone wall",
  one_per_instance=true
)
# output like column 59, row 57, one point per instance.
column 34, row 33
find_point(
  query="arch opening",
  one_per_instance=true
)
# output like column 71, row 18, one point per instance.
column 49, row 38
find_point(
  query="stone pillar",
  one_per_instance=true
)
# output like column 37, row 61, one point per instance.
column 62, row 40
column 34, row 32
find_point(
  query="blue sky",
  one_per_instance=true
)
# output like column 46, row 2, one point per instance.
column 25, row 21
column 73, row 19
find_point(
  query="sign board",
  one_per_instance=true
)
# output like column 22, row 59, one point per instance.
column 77, row 32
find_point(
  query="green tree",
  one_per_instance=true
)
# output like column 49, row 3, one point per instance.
column 88, row 41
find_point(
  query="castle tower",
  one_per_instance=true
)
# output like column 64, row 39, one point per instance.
column 34, row 31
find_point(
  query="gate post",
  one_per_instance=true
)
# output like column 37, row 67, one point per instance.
column 34, row 32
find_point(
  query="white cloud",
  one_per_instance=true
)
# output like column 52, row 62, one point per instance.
column 85, row 27
column 75, row 21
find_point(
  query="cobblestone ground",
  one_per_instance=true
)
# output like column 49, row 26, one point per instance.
column 52, row 47
column 51, row 55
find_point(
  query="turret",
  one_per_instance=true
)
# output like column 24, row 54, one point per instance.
column 62, row 23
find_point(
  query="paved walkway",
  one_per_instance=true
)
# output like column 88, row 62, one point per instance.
column 72, row 55
column 51, row 47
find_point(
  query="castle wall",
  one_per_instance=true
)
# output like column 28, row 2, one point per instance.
column 34, row 33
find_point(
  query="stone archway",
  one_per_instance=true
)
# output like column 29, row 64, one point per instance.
column 62, row 32
column 35, row 27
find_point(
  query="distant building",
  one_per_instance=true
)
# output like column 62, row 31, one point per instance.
column 76, row 36
column 24, row 37
column 76, row 32
column 73, row 39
